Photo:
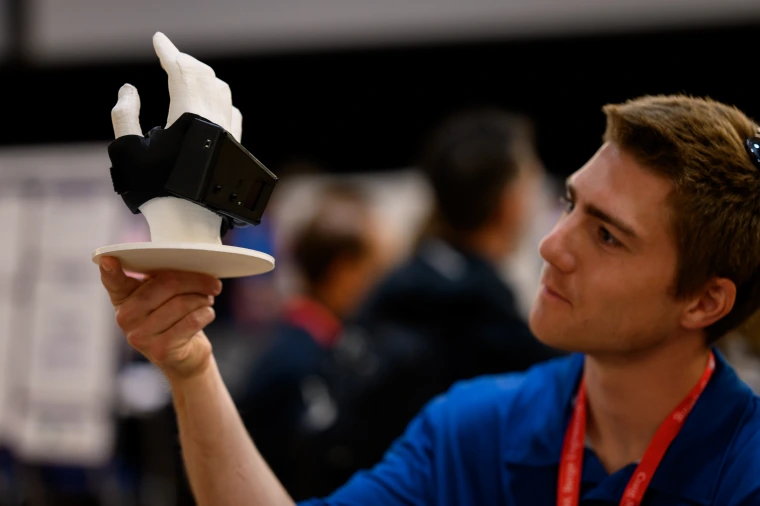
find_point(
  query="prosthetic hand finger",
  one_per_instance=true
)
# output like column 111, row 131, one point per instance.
column 125, row 115
column 201, row 92
column 236, row 124
column 197, row 68
column 168, row 54
column 223, row 99
column 193, row 86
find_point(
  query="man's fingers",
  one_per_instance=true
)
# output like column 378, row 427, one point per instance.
column 166, row 51
column 125, row 115
column 175, row 346
column 182, row 331
column 166, row 316
column 166, row 285
column 119, row 285
column 161, row 301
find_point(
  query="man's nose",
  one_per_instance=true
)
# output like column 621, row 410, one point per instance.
column 557, row 248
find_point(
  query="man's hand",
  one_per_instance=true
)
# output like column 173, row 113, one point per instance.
column 163, row 317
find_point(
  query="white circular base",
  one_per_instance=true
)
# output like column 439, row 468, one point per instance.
column 215, row 259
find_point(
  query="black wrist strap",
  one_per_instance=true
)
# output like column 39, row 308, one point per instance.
column 140, row 165
column 196, row 160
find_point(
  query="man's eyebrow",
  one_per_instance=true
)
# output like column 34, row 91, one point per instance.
column 606, row 217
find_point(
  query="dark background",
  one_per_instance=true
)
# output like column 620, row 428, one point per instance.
column 358, row 110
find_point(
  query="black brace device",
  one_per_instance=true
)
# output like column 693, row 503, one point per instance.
column 196, row 160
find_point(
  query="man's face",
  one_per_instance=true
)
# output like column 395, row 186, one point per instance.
column 610, row 262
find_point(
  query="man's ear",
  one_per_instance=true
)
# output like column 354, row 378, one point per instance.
column 711, row 304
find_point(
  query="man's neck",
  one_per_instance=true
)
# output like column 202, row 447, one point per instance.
column 630, row 397
column 485, row 243
column 330, row 299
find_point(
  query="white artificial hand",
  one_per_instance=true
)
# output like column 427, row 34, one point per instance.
column 193, row 87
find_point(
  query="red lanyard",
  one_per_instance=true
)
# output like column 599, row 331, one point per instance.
column 313, row 317
column 571, row 465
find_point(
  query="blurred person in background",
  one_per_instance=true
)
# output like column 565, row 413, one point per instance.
column 742, row 349
column 249, row 310
column 338, row 256
column 448, row 313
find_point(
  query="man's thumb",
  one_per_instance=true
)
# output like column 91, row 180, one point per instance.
column 119, row 285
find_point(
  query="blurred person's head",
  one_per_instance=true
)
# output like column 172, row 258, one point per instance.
column 479, row 163
column 660, row 240
column 337, row 252
column 749, row 332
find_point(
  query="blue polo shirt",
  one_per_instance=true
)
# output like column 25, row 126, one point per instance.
column 497, row 440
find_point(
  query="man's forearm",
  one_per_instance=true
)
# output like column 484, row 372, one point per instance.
column 223, row 465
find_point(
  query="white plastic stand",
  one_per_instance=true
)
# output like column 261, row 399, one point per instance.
column 185, row 237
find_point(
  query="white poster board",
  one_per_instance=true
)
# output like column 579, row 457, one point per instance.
column 58, row 341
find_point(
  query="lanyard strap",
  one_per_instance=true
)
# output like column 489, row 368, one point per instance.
column 571, row 465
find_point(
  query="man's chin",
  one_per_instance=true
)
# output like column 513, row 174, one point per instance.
column 565, row 345
column 550, row 335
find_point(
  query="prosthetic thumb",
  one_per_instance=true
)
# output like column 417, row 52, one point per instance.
column 125, row 115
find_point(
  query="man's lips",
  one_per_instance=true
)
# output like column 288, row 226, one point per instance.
column 554, row 293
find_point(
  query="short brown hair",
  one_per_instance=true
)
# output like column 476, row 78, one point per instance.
column 336, row 231
column 698, row 144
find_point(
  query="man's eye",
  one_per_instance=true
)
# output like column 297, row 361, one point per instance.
column 567, row 204
column 607, row 238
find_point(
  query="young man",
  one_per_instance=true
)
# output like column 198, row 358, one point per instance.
column 657, row 255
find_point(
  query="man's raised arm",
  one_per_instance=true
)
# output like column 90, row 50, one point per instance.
column 163, row 318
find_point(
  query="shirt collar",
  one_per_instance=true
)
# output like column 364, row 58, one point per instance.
column 315, row 319
column 690, row 468
column 547, row 393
